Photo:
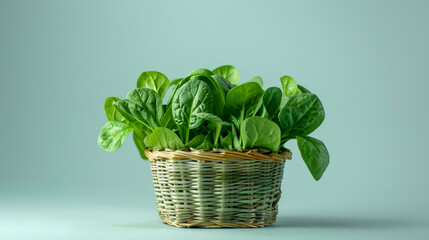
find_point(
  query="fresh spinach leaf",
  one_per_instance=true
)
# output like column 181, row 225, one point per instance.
column 111, row 113
column 207, row 143
column 242, row 101
column 133, row 112
column 196, row 141
column 139, row 142
column 150, row 101
column 225, row 84
column 165, row 138
column 301, row 115
column 155, row 81
column 218, row 123
column 113, row 135
column 228, row 72
column 215, row 89
column 226, row 142
column 191, row 98
column 259, row 132
column 290, row 88
column 258, row 80
column 201, row 71
column 272, row 99
column 303, row 89
column 315, row 155
column 167, row 119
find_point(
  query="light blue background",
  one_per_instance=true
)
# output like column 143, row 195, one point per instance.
column 367, row 61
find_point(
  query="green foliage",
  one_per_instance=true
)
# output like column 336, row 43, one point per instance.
column 315, row 155
column 191, row 98
column 155, row 81
column 208, row 109
column 258, row 80
column 111, row 113
column 259, row 132
column 113, row 135
column 228, row 72
column 242, row 101
column 165, row 138
column 301, row 115
column 290, row 88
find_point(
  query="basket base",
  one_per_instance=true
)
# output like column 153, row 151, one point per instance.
column 217, row 224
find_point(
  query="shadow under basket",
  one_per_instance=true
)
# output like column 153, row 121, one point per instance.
column 217, row 188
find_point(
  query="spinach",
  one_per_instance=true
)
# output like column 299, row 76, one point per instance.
column 290, row 88
column 258, row 80
column 201, row 71
column 149, row 99
column 196, row 141
column 226, row 142
column 225, row 84
column 208, row 109
column 191, row 98
column 165, row 138
column 272, row 99
column 138, row 138
column 142, row 108
column 113, row 135
column 111, row 113
column 301, row 115
column 207, row 143
column 259, row 132
column 242, row 101
column 303, row 89
column 155, row 81
column 216, row 121
column 228, row 72
column 215, row 89
column 315, row 155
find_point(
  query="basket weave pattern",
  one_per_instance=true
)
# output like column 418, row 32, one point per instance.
column 217, row 189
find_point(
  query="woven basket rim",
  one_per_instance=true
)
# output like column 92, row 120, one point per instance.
column 216, row 154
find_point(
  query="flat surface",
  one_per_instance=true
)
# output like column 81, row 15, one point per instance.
column 366, row 60
column 76, row 221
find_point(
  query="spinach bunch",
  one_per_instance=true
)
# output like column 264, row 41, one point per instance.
column 209, row 109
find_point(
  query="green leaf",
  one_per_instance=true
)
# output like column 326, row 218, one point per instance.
column 175, row 82
column 201, row 71
column 315, row 155
column 225, row 84
column 196, row 141
column 235, row 141
column 154, row 80
column 136, row 114
column 259, row 132
column 258, row 80
column 216, row 121
column 243, row 100
column 290, row 88
column 191, row 98
column 111, row 113
column 228, row 72
column 167, row 119
column 272, row 99
column 165, row 138
column 215, row 88
column 113, row 135
column 303, row 89
column 301, row 115
column 207, row 143
column 226, row 142
column 150, row 101
column 139, row 141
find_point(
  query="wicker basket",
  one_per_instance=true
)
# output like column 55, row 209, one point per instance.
column 217, row 188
